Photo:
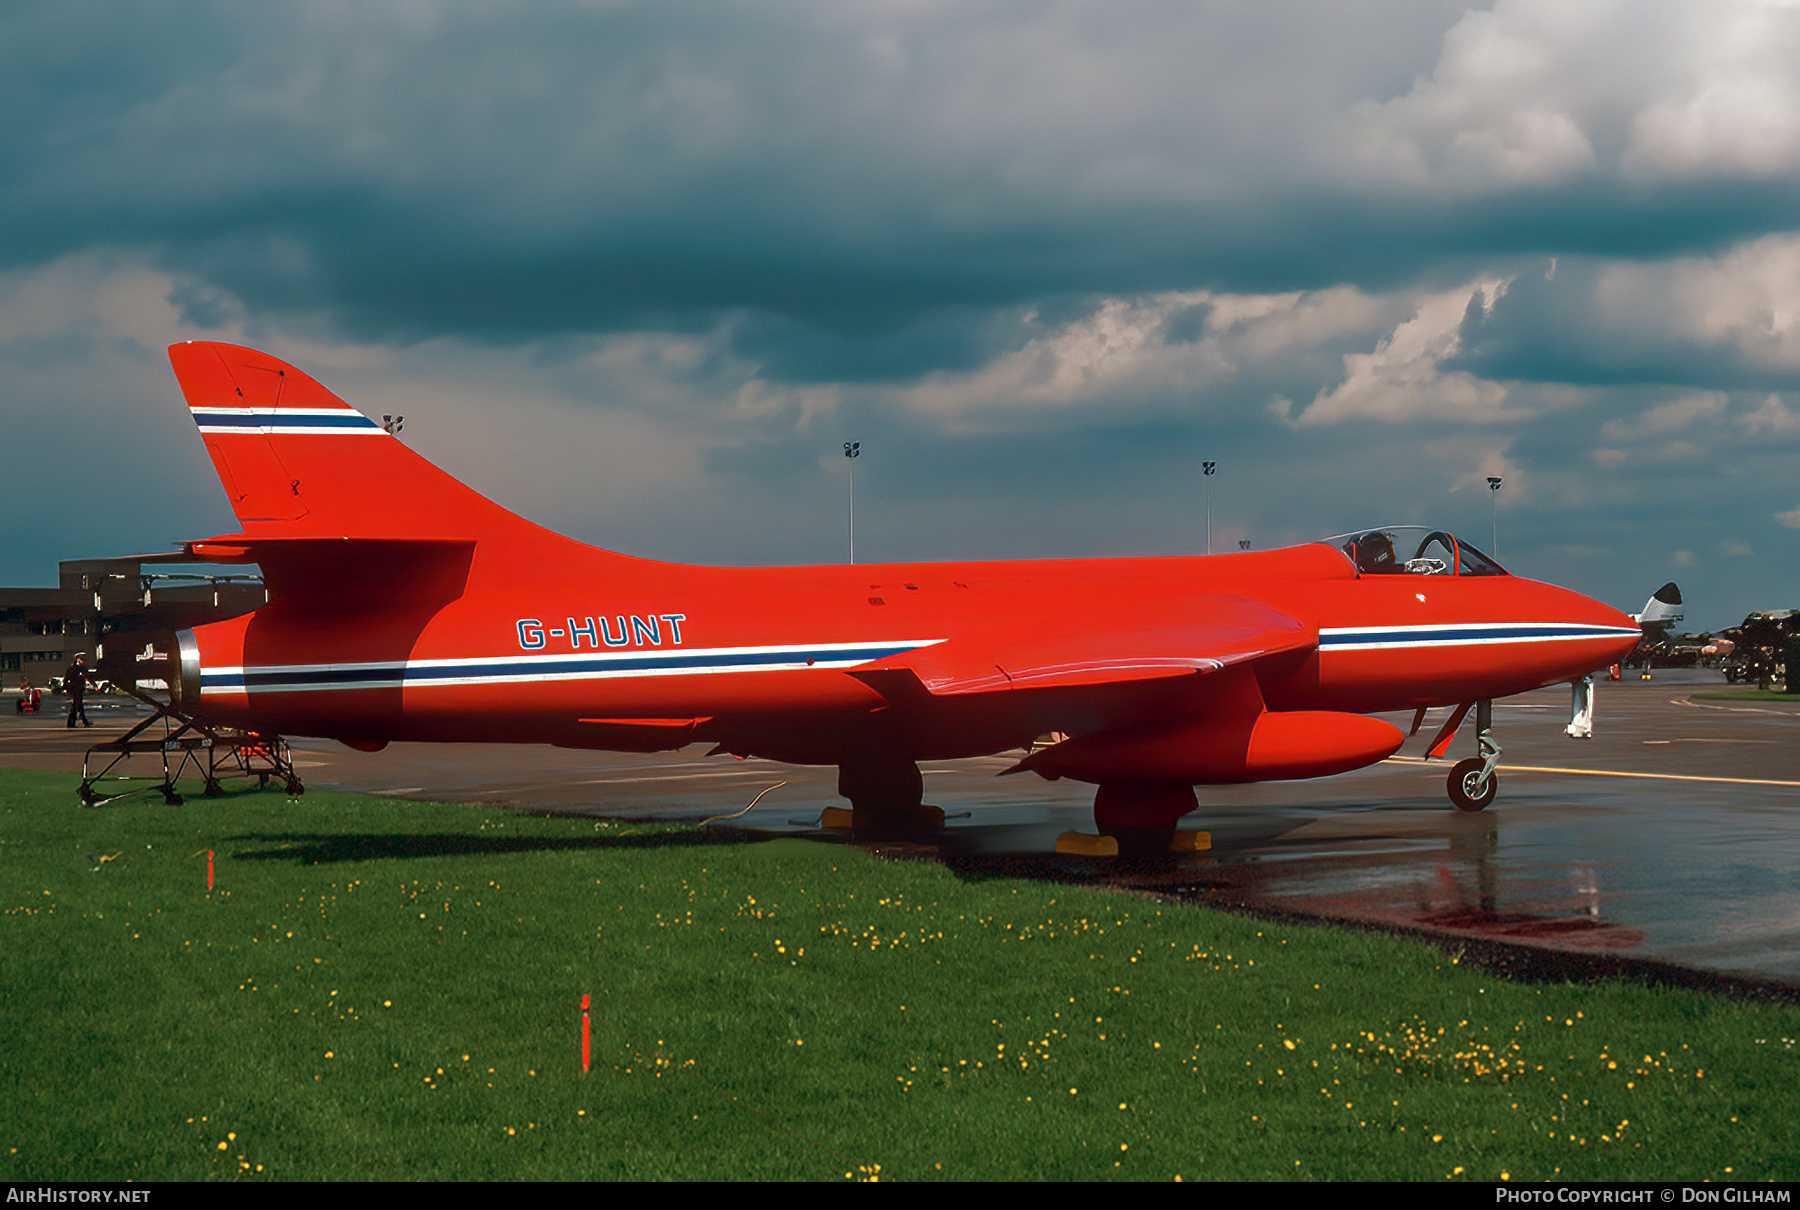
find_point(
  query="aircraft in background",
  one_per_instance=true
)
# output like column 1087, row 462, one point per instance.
column 1658, row 618
column 405, row 606
column 1757, row 648
column 1662, row 611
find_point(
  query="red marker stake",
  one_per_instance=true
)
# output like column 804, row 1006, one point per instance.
column 209, row 854
column 584, row 1033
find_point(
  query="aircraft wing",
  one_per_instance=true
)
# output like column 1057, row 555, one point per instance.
column 1225, row 630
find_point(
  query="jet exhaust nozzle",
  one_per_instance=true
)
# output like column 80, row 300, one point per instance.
column 139, row 661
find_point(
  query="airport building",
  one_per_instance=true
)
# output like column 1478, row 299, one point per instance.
column 110, row 600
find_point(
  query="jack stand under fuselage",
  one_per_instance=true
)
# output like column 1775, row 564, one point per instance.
column 1137, row 820
column 886, row 800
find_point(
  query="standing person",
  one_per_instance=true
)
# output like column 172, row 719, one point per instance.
column 75, row 682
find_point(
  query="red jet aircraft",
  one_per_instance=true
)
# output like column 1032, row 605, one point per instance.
column 405, row 606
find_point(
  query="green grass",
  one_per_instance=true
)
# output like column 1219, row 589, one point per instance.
column 1749, row 695
column 380, row 989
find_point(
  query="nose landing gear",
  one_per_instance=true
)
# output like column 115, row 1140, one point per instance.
column 1469, row 789
column 1474, row 782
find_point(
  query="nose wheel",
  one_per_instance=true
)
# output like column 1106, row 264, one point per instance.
column 1471, row 790
column 1473, row 783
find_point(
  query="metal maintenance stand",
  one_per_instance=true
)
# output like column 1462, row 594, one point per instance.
column 212, row 752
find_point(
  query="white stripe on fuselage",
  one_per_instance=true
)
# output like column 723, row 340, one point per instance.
column 1461, row 634
column 525, row 668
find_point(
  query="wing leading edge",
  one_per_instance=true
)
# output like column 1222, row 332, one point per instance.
column 1228, row 631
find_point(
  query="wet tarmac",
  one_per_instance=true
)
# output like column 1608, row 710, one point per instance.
column 1671, row 838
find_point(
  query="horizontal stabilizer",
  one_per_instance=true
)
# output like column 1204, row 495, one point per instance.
column 366, row 571
column 254, row 548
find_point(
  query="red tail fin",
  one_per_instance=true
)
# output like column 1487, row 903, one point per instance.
column 298, row 462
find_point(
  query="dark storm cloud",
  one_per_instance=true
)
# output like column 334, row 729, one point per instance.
column 946, row 337
column 1724, row 323
column 505, row 172
column 1560, row 327
column 479, row 168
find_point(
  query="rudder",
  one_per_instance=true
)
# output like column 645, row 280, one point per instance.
column 297, row 461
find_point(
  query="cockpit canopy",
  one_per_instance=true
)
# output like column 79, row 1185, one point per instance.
column 1413, row 550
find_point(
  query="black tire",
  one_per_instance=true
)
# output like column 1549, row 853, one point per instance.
column 87, row 795
column 295, row 788
column 1462, row 781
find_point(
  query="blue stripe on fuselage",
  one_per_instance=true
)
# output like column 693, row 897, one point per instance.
column 1439, row 635
column 395, row 675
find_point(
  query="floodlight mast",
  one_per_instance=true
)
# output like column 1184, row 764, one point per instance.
column 852, row 450
column 1494, row 482
column 1207, row 469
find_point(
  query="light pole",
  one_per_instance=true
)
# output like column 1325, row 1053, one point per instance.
column 852, row 449
column 1494, row 497
column 1206, row 469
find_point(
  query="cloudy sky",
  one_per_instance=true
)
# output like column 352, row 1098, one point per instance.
column 638, row 271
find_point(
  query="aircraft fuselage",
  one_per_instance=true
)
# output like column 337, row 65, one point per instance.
column 758, row 659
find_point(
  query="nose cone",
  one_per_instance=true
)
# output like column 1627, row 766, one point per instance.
column 1596, row 634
